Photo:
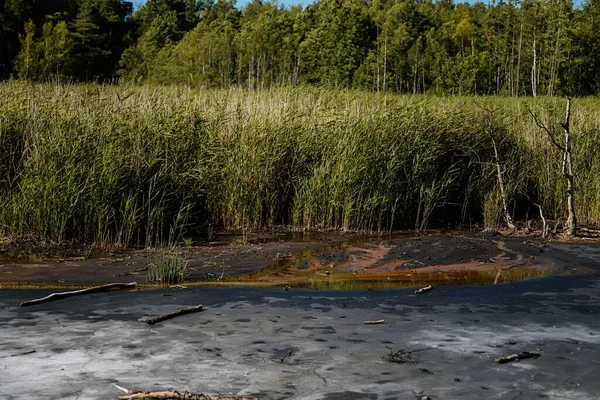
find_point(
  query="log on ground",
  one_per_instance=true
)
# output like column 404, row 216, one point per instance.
column 183, row 311
column 64, row 295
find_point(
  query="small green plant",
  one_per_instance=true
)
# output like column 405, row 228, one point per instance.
column 167, row 267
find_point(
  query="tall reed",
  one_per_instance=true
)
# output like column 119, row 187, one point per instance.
column 126, row 165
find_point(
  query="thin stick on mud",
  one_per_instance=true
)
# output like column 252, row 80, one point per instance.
column 23, row 354
column 497, row 278
column 516, row 357
column 379, row 321
column 64, row 295
column 424, row 290
column 183, row 311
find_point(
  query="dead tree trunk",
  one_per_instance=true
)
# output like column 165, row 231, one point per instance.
column 498, row 163
column 544, row 226
column 567, row 171
column 533, row 69
column 567, row 166
column 507, row 216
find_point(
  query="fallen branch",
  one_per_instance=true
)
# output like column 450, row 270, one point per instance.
column 401, row 356
column 424, row 290
column 183, row 311
column 516, row 357
column 497, row 278
column 379, row 321
column 63, row 295
column 177, row 396
column 23, row 354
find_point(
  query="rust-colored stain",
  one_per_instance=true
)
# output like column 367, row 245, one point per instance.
column 364, row 266
column 410, row 261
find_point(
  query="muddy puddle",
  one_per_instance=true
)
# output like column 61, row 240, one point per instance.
column 316, row 261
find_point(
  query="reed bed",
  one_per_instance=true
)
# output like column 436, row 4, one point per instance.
column 146, row 165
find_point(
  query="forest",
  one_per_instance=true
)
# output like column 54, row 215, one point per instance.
column 514, row 48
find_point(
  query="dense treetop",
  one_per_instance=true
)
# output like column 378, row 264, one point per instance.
column 514, row 48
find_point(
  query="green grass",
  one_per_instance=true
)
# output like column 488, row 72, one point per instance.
column 145, row 165
column 167, row 266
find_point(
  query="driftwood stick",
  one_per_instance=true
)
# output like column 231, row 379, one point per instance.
column 23, row 354
column 497, row 278
column 424, row 290
column 183, row 311
column 177, row 395
column 95, row 289
column 516, row 357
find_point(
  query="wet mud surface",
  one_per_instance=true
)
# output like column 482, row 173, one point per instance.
column 231, row 255
column 314, row 344
column 304, row 344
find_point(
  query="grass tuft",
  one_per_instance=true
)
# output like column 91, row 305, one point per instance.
column 167, row 266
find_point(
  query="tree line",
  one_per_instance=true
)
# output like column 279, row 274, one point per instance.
column 514, row 48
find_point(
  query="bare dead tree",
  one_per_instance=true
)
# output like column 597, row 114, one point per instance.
column 567, row 165
column 498, row 163
column 544, row 224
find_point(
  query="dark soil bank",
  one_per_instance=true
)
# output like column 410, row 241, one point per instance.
column 272, row 260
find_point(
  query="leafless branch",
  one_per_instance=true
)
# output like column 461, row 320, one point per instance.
column 543, row 127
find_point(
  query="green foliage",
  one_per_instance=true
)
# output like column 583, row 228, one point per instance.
column 516, row 49
column 89, row 41
column 28, row 60
column 202, row 58
column 525, row 48
column 82, row 40
column 47, row 57
column 139, row 60
column 337, row 43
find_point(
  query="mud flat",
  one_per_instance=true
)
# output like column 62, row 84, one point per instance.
column 307, row 344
